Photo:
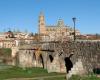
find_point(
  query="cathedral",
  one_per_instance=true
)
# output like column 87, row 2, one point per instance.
column 55, row 31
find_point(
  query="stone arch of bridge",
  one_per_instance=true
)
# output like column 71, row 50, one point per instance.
column 41, row 59
column 67, row 59
column 68, row 62
column 51, row 58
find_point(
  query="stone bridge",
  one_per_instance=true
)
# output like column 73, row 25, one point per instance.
column 73, row 57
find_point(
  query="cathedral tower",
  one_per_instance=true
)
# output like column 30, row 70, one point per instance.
column 42, row 28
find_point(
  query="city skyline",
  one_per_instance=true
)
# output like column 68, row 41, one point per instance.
column 23, row 14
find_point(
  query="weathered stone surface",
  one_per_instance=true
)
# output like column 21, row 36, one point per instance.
column 87, row 51
column 25, row 58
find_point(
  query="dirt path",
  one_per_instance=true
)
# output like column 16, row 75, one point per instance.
column 36, row 78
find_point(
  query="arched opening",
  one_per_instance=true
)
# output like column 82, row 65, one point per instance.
column 16, row 58
column 51, row 58
column 68, row 64
column 34, row 56
column 96, row 70
column 41, row 60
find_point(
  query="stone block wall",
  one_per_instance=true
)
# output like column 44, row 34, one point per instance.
column 25, row 58
column 87, row 51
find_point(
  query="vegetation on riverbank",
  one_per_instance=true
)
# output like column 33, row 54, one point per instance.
column 16, row 72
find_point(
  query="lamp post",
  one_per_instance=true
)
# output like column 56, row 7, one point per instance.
column 74, row 20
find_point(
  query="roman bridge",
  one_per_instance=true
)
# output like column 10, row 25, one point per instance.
column 75, row 57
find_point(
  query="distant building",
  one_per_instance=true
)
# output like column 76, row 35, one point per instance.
column 9, row 34
column 7, row 43
column 55, row 31
column 9, row 39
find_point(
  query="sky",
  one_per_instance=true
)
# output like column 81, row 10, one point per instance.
column 23, row 15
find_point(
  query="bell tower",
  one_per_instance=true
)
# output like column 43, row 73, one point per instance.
column 42, row 28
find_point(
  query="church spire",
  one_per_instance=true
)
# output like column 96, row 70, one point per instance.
column 60, row 23
column 41, row 13
column 42, row 28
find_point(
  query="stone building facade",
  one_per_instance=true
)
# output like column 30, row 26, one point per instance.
column 7, row 43
column 60, row 30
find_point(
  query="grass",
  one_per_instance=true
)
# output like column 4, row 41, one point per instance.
column 56, row 78
column 88, row 77
column 16, row 72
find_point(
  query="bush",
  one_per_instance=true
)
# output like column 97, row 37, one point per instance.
column 5, row 52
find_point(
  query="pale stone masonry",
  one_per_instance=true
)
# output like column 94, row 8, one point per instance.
column 84, row 55
column 55, row 32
